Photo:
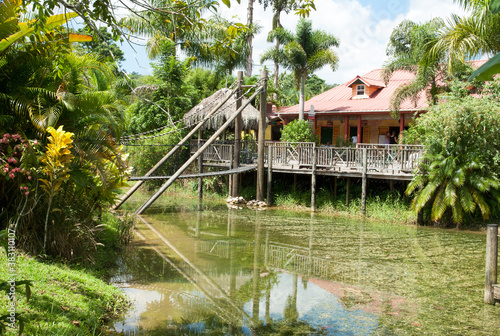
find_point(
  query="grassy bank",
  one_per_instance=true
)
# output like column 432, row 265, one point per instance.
column 70, row 298
column 63, row 301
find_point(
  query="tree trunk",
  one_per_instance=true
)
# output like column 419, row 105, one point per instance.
column 302, row 95
column 276, row 65
column 248, row 70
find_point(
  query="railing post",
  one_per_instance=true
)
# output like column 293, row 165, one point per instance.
column 490, row 277
column 269, row 175
column 261, row 138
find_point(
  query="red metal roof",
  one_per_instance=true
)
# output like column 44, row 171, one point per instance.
column 339, row 99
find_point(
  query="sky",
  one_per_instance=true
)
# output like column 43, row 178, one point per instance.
column 362, row 26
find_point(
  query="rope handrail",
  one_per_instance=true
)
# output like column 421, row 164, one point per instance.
column 230, row 105
column 163, row 127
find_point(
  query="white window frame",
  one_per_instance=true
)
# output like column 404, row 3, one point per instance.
column 360, row 90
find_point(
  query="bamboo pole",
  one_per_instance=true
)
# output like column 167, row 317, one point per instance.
column 313, row 179
column 363, row 182
column 173, row 150
column 196, row 155
column 235, row 191
column 490, row 277
column 269, row 175
column 261, row 138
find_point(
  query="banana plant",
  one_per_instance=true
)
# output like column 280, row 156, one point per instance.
column 11, row 30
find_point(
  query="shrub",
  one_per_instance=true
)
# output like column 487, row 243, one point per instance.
column 298, row 131
column 458, row 179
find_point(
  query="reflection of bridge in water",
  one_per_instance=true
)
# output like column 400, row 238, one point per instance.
column 233, row 287
column 299, row 260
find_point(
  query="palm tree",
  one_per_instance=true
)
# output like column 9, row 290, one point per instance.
column 464, row 38
column 304, row 52
column 450, row 184
column 407, row 47
column 278, row 7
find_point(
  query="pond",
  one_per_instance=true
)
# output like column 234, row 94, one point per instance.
column 226, row 271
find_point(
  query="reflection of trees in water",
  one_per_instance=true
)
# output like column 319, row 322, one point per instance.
column 144, row 265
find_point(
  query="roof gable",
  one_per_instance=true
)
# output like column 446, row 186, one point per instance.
column 366, row 81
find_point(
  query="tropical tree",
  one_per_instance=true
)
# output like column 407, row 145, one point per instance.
column 466, row 37
column 406, row 48
column 303, row 53
column 458, row 179
column 278, row 7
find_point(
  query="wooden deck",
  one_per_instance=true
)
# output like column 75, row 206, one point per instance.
column 396, row 162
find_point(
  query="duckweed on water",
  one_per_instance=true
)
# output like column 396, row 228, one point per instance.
column 330, row 275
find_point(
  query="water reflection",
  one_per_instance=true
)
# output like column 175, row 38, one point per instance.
column 241, row 272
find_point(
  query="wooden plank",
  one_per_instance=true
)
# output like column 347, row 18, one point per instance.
column 208, row 174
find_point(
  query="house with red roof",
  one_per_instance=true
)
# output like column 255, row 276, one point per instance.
column 359, row 109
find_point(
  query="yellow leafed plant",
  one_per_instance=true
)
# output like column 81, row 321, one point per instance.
column 56, row 162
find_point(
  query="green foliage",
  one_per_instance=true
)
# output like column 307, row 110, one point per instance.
column 169, row 102
column 102, row 45
column 298, row 131
column 459, row 176
column 303, row 53
column 42, row 85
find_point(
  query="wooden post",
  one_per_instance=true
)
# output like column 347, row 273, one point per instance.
column 491, row 263
column 347, row 187
column 261, row 138
column 335, row 187
column 230, row 177
column 269, row 175
column 420, row 217
column 294, row 182
column 391, row 185
column 235, row 192
column 363, row 182
column 358, row 135
column 313, row 179
column 346, row 127
column 401, row 124
column 200, row 169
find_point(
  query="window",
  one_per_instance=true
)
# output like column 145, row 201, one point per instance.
column 360, row 90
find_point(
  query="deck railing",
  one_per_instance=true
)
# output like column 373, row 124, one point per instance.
column 391, row 159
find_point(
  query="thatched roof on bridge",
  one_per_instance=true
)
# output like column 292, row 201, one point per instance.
column 250, row 115
column 142, row 91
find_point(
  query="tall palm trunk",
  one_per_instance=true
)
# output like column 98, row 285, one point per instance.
column 276, row 64
column 302, row 94
column 248, row 70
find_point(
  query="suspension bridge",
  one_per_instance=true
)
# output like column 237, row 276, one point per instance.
column 239, row 104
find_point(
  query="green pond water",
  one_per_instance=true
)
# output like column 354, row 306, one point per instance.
column 226, row 271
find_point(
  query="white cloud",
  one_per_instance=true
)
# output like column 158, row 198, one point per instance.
column 363, row 31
